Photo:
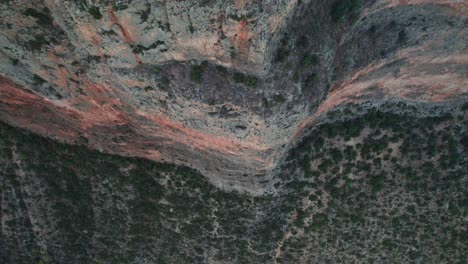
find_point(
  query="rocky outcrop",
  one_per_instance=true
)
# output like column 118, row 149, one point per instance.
column 221, row 86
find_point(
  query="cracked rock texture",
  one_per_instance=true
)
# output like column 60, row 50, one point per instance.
column 221, row 86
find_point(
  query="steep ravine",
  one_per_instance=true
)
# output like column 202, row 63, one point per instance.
column 223, row 87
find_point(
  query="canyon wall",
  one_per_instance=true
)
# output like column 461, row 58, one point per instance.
column 221, row 86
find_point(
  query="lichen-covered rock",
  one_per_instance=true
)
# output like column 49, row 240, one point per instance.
column 222, row 86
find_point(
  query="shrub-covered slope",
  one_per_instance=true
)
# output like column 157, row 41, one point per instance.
column 376, row 186
column 380, row 188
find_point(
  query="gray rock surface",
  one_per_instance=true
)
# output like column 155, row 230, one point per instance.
column 221, row 86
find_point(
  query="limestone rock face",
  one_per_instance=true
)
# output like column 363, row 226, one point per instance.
column 221, row 86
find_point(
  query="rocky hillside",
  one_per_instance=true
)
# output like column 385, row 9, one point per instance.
column 220, row 86
column 375, row 185
column 233, row 131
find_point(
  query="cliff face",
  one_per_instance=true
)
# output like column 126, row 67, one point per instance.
column 221, row 86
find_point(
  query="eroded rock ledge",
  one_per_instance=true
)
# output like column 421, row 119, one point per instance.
column 221, row 86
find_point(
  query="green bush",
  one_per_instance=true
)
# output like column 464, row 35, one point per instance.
column 281, row 54
column 279, row 98
column 343, row 8
column 320, row 220
column 377, row 183
column 120, row 6
column 336, row 155
column 350, row 154
column 245, row 79
column 238, row 18
column 37, row 42
column 311, row 81
column 94, row 12
column 221, row 69
column 402, row 37
column 42, row 18
column 197, row 73
column 310, row 60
